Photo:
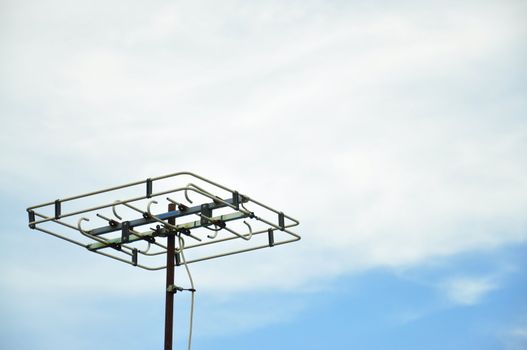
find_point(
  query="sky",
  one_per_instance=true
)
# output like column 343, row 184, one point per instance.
column 395, row 132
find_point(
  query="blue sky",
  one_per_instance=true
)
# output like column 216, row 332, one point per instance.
column 395, row 132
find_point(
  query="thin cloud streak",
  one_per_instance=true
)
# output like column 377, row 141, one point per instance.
column 468, row 290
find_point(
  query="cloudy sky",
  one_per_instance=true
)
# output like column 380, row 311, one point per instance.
column 396, row 132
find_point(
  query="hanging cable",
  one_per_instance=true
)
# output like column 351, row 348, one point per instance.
column 192, row 289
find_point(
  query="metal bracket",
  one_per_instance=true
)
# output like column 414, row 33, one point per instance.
column 125, row 232
column 281, row 221
column 270, row 234
column 178, row 259
column 134, row 256
column 57, row 209
column 174, row 289
column 236, row 200
column 31, row 217
column 148, row 188
column 206, row 211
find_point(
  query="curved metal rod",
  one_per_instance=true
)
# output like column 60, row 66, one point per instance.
column 146, row 250
column 79, row 225
column 85, row 233
column 213, row 235
column 181, row 244
column 201, row 190
column 138, row 234
column 187, row 197
column 250, row 234
column 149, row 205
column 114, row 211
column 247, row 210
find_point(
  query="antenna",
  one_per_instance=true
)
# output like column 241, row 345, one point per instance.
column 129, row 223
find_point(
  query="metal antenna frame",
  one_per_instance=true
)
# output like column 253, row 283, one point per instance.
column 105, row 240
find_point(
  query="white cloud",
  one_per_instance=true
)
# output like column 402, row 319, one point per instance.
column 393, row 135
column 468, row 290
column 515, row 338
column 520, row 332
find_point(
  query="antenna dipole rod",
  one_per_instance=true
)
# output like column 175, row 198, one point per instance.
column 169, row 303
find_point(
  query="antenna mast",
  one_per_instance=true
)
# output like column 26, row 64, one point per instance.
column 220, row 221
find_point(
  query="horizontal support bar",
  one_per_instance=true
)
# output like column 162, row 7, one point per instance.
column 296, row 238
column 150, row 234
column 164, row 216
column 131, row 184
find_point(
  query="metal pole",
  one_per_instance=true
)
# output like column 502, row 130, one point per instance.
column 169, row 301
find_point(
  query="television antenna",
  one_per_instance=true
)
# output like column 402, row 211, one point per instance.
column 128, row 224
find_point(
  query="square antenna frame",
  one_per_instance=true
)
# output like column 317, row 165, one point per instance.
column 133, row 234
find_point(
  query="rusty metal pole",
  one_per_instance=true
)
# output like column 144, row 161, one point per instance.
column 169, row 301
